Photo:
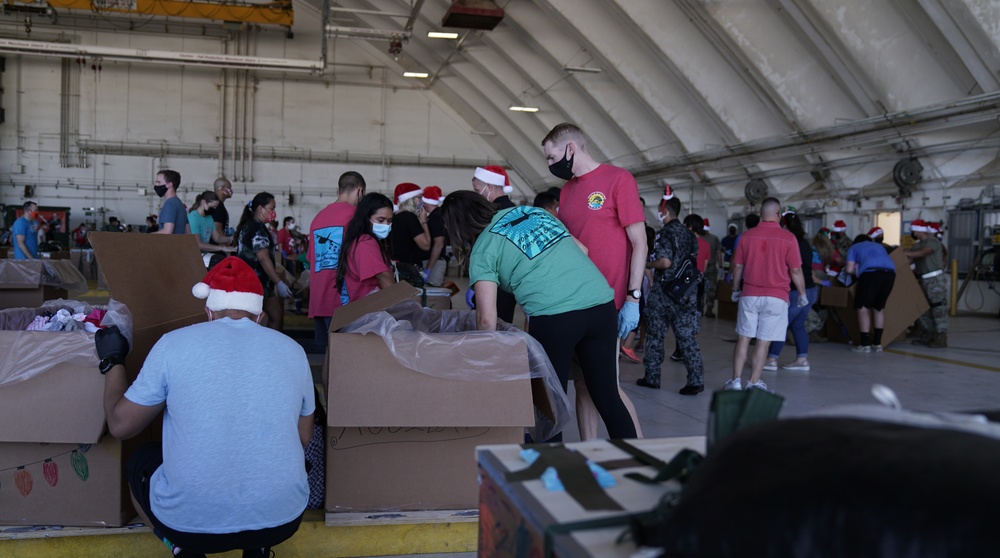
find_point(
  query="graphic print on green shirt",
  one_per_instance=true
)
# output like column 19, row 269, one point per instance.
column 531, row 232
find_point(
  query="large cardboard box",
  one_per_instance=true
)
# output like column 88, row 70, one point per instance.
column 514, row 515
column 398, row 439
column 906, row 303
column 29, row 283
column 58, row 466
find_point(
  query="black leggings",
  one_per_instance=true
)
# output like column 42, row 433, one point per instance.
column 592, row 334
column 141, row 466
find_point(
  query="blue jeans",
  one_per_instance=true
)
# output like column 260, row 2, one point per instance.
column 797, row 323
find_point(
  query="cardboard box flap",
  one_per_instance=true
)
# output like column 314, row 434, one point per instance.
column 369, row 388
column 152, row 274
column 372, row 303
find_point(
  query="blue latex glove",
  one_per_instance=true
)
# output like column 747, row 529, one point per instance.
column 628, row 318
column 470, row 298
column 425, row 275
column 735, row 296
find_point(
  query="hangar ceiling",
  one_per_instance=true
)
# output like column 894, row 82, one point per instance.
column 813, row 97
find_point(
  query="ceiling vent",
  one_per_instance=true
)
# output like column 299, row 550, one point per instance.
column 755, row 191
column 473, row 14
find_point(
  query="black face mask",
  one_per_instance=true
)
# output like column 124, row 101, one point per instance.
column 160, row 190
column 913, row 235
column 563, row 168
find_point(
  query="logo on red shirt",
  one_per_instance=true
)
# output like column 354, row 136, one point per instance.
column 596, row 200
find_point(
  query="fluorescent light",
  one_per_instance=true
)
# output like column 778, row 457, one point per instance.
column 524, row 109
column 441, row 35
column 584, row 69
column 416, row 74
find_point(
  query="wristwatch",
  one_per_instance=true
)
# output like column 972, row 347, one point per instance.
column 635, row 293
column 109, row 362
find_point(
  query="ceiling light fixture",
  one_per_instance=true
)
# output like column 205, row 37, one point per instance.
column 441, row 35
column 416, row 74
column 523, row 109
column 583, row 69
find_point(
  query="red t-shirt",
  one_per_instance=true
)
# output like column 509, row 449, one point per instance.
column 325, row 235
column 596, row 208
column 364, row 262
column 767, row 252
column 285, row 241
column 704, row 251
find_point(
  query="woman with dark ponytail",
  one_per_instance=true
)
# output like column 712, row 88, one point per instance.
column 256, row 247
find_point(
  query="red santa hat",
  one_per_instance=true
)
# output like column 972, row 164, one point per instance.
column 494, row 175
column 876, row 232
column 919, row 226
column 231, row 285
column 432, row 195
column 706, row 224
column 934, row 228
column 404, row 191
column 668, row 192
column 839, row 226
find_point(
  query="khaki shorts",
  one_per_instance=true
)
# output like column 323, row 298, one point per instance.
column 763, row 317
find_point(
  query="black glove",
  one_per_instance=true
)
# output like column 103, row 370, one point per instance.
column 111, row 347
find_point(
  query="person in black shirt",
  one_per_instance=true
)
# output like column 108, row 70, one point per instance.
column 223, row 234
column 494, row 185
column 437, row 262
column 409, row 240
column 492, row 182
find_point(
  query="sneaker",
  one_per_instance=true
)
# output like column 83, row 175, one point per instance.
column 692, row 390
column 630, row 355
column 877, row 348
column 646, row 383
column 677, row 356
column 801, row 366
column 759, row 385
column 733, row 385
column 862, row 348
column 770, row 365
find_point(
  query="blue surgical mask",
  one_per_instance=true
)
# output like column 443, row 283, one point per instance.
column 381, row 230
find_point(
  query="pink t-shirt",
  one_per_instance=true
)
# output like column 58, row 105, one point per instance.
column 766, row 253
column 596, row 208
column 364, row 262
column 325, row 235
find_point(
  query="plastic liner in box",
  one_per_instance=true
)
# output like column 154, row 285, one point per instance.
column 32, row 352
column 61, row 274
column 432, row 341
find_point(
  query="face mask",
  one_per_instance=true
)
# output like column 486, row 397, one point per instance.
column 660, row 216
column 563, row 168
column 160, row 190
column 381, row 230
column 913, row 235
column 292, row 227
column 271, row 216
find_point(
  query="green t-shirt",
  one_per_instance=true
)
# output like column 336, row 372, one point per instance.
column 201, row 226
column 932, row 261
column 530, row 253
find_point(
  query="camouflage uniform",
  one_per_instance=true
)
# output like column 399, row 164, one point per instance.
column 843, row 244
column 676, row 243
column 935, row 288
column 711, row 272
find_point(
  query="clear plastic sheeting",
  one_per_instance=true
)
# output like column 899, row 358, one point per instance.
column 26, row 274
column 26, row 354
column 445, row 344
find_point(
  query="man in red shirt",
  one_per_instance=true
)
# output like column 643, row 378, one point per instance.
column 326, row 232
column 765, row 260
column 600, row 207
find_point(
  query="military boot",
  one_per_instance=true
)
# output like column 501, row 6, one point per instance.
column 940, row 340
